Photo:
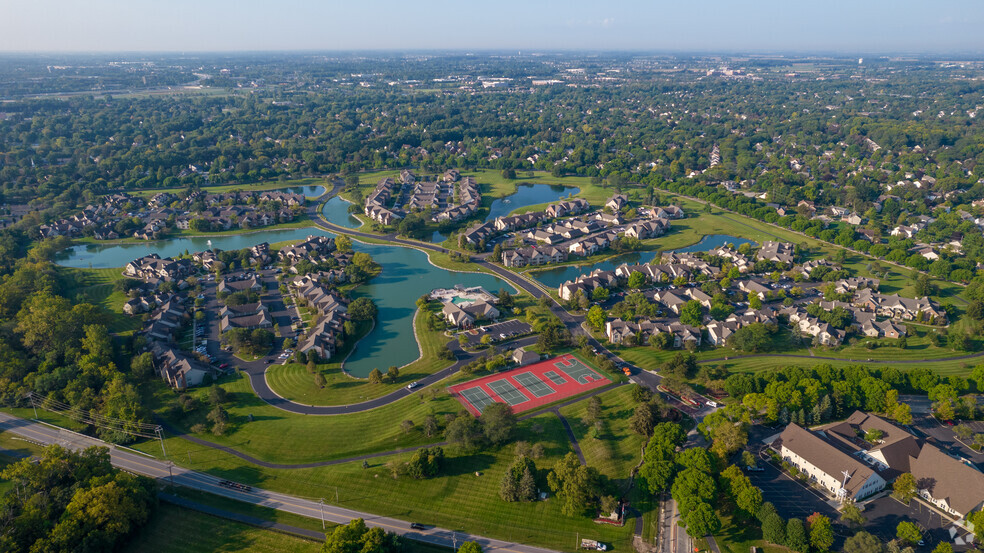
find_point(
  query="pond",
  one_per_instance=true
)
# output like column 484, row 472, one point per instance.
column 555, row 277
column 311, row 191
column 525, row 195
column 407, row 274
column 529, row 194
column 336, row 211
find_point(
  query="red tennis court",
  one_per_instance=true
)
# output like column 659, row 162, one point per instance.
column 530, row 386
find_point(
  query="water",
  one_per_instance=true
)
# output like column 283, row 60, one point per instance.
column 555, row 277
column 311, row 191
column 407, row 274
column 529, row 194
column 336, row 211
column 525, row 195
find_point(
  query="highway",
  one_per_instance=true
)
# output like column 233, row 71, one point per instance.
column 164, row 471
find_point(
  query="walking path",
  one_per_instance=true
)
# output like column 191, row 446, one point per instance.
column 570, row 435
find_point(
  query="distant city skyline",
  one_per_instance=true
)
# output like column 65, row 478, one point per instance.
column 902, row 26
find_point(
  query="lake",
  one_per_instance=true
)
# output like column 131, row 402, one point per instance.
column 311, row 191
column 525, row 195
column 555, row 277
column 336, row 211
column 407, row 274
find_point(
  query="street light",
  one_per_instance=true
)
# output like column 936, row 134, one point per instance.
column 322, row 503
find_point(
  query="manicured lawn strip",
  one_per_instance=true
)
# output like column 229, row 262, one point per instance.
column 458, row 499
column 740, row 537
column 248, row 187
column 280, row 437
column 174, row 529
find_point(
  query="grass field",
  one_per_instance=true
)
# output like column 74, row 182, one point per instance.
column 201, row 533
column 293, row 382
column 252, row 187
column 96, row 286
column 614, row 449
column 459, row 499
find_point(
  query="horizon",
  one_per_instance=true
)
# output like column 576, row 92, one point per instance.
column 110, row 26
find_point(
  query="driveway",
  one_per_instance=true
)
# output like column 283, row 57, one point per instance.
column 885, row 513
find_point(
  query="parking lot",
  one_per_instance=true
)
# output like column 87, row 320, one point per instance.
column 942, row 436
column 498, row 331
column 791, row 499
column 885, row 513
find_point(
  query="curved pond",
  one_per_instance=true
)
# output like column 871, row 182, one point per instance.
column 311, row 191
column 529, row 194
column 336, row 211
column 407, row 274
column 555, row 277
column 525, row 195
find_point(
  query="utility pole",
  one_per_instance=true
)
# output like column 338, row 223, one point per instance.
column 336, row 495
column 322, row 503
column 35, row 406
column 170, row 473
column 454, row 541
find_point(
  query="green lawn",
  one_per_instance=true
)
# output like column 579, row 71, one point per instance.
column 459, row 499
column 248, row 187
column 97, row 286
column 174, row 529
column 614, row 449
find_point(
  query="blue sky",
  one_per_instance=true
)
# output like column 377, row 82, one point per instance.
column 711, row 25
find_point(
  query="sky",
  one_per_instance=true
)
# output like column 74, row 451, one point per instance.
column 873, row 26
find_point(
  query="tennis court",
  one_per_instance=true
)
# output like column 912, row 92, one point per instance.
column 531, row 386
column 478, row 398
column 508, row 392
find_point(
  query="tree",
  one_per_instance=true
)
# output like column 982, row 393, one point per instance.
column 774, row 529
column 343, row 243
column 463, row 431
column 429, row 426
column 375, row 376
column 575, row 484
column 752, row 338
column 363, row 309
column 904, row 488
column 943, row 547
column 356, row 537
column 393, row 374
column 702, row 521
column 851, row 514
column 796, row 536
column 407, row 426
column 593, row 411
column 637, row 280
column 691, row 313
column 863, row 542
column 908, row 532
column 596, row 317
column 470, row 547
column 498, row 422
column 754, row 301
column 644, row 418
column 821, row 532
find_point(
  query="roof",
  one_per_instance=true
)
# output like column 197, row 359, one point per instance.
column 947, row 478
column 823, row 455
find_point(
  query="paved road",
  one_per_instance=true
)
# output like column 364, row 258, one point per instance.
column 162, row 471
column 239, row 517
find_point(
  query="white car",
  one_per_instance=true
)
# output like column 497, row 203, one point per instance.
column 413, row 385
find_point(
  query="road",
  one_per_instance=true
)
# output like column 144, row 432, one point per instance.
column 166, row 473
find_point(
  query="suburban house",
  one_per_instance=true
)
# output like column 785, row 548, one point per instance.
column 897, row 307
column 465, row 315
column 618, row 330
column 177, row 369
column 617, row 202
column 648, row 229
column 251, row 284
column 522, row 257
column 573, row 207
column 779, row 252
